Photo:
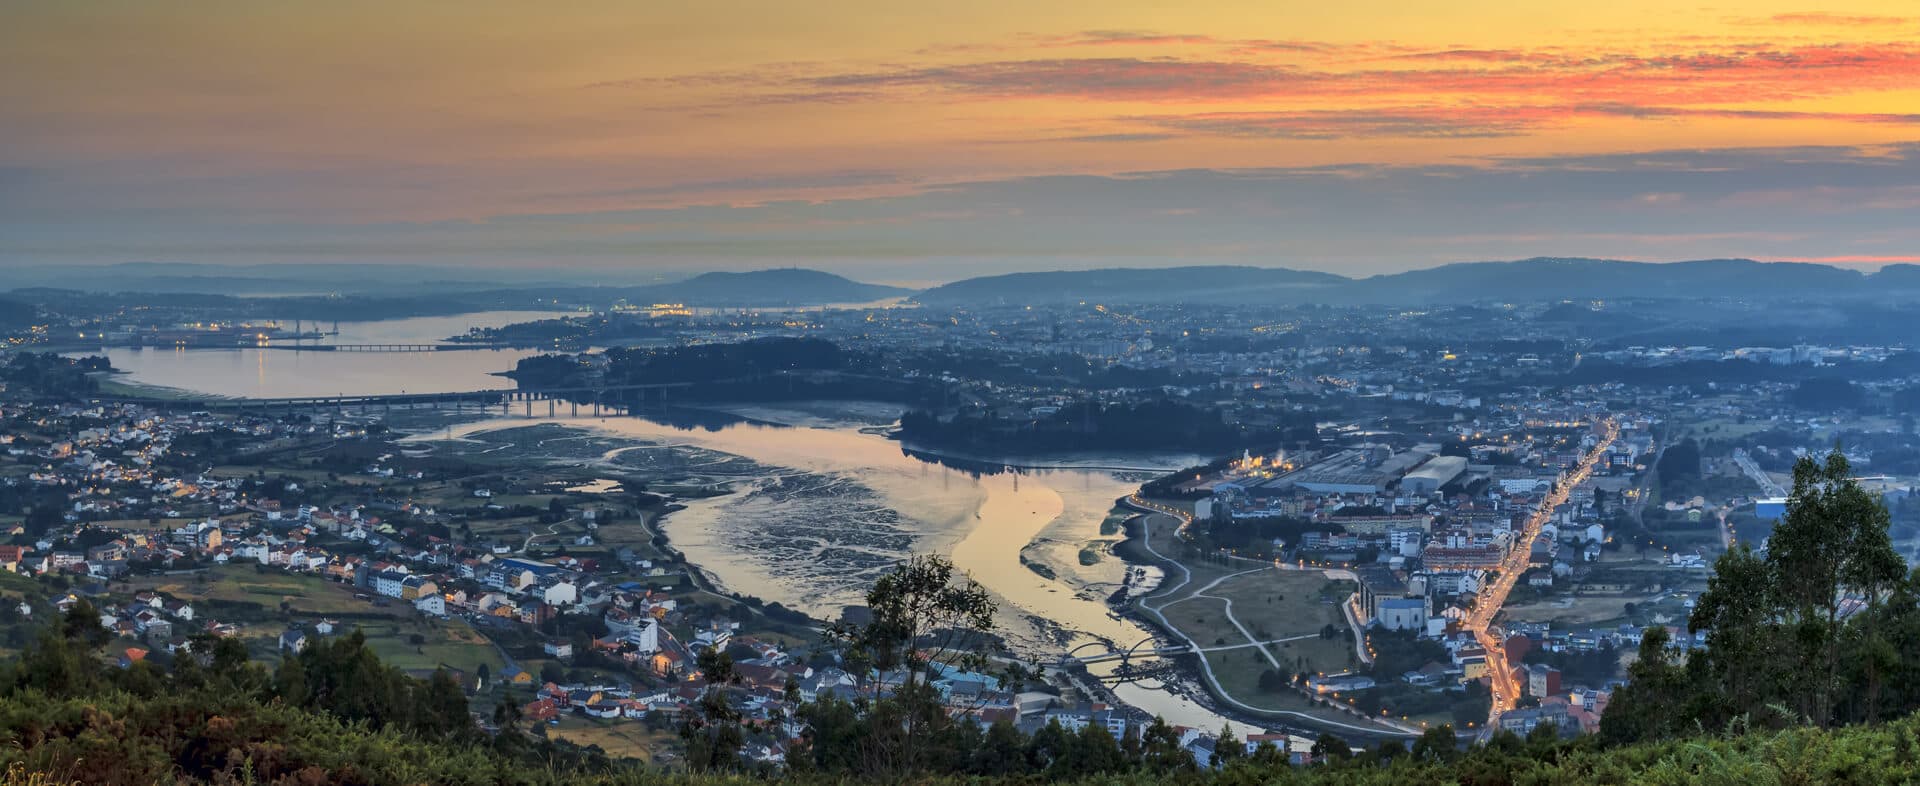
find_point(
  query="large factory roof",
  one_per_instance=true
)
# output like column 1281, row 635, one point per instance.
column 1441, row 470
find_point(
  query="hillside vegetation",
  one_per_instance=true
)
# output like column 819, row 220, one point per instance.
column 119, row 736
column 1808, row 676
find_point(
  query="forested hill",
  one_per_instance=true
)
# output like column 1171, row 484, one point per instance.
column 1555, row 278
column 1236, row 284
column 105, row 293
column 785, row 286
column 137, row 727
column 1527, row 280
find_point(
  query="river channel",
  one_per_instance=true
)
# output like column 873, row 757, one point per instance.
column 771, row 535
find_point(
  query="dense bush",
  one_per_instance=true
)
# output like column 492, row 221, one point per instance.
column 1788, row 690
column 121, row 738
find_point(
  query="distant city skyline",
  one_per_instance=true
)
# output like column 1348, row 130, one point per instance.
column 920, row 144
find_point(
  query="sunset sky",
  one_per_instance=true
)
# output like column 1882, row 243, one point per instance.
column 922, row 142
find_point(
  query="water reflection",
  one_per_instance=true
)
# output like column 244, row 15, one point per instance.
column 825, row 514
column 280, row 373
column 825, row 511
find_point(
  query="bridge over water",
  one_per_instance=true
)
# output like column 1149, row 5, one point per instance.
column 448, row 347
column 599, row 399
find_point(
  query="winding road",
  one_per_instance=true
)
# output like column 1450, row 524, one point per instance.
column 1202, row 593
column 1206, row 668
column 552, row 530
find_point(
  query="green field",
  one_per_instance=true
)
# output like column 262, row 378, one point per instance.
column 242, row 583
column 617, row 738
column 450, row 643
column 1271, row 604
column 1579, row 609
column 1240, row 678
column 1724, row 429
column 390, row 630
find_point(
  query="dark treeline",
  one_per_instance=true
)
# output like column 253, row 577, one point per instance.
column 1167, row 486
column 709, row 362
column 1675, row 324
column 789, row 369
column 1679, row 463
column 1828, row 395
column 596, row 328
column 747, row 359
column 793, row 369
column 697, row 363
column 774, row 369
column 16, row 314
column 1254, row 535
column 1746, row 372
column 47, row 375
column 1091, row 426
column 1057, row 368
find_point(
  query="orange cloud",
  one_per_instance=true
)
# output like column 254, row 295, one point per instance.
column 438, row 117
column 1684, row 78
column 1414, row 121
column 1146, row 38
column 1821, row 18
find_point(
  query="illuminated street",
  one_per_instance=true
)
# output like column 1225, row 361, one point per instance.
column 1506, row 690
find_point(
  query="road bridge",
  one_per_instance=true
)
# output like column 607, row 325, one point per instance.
column 599, row 399
column 297, row 347
column 1768, row 486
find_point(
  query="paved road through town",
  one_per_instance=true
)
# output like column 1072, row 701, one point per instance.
column 1506, row 689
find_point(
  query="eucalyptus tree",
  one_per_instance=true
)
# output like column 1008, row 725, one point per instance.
column 1829, row 554
column 923, row 612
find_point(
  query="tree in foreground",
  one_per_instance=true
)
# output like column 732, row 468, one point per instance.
column 1823, row 628
column 924, row 612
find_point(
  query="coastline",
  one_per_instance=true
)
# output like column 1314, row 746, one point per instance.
column 650, row 519
column 1034, row 520
column 1092, row 462
column 113, row 383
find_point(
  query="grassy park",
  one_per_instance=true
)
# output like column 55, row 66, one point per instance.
column 1270, row 603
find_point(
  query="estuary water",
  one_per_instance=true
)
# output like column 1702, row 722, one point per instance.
column 836, row 506
column 285, row 373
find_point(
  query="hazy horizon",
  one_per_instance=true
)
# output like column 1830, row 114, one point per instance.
column 616, row 276
column 911, row 144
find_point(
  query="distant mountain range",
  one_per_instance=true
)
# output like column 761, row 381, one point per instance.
column 1542, row 278
column 1901, row 277
column 1222, row 283
column 785, row 286
column 480, row 289
column 1555, row 278
column 1527, row 280
column 308, row 279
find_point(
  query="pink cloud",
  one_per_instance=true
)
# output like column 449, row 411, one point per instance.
column 1690, row 78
